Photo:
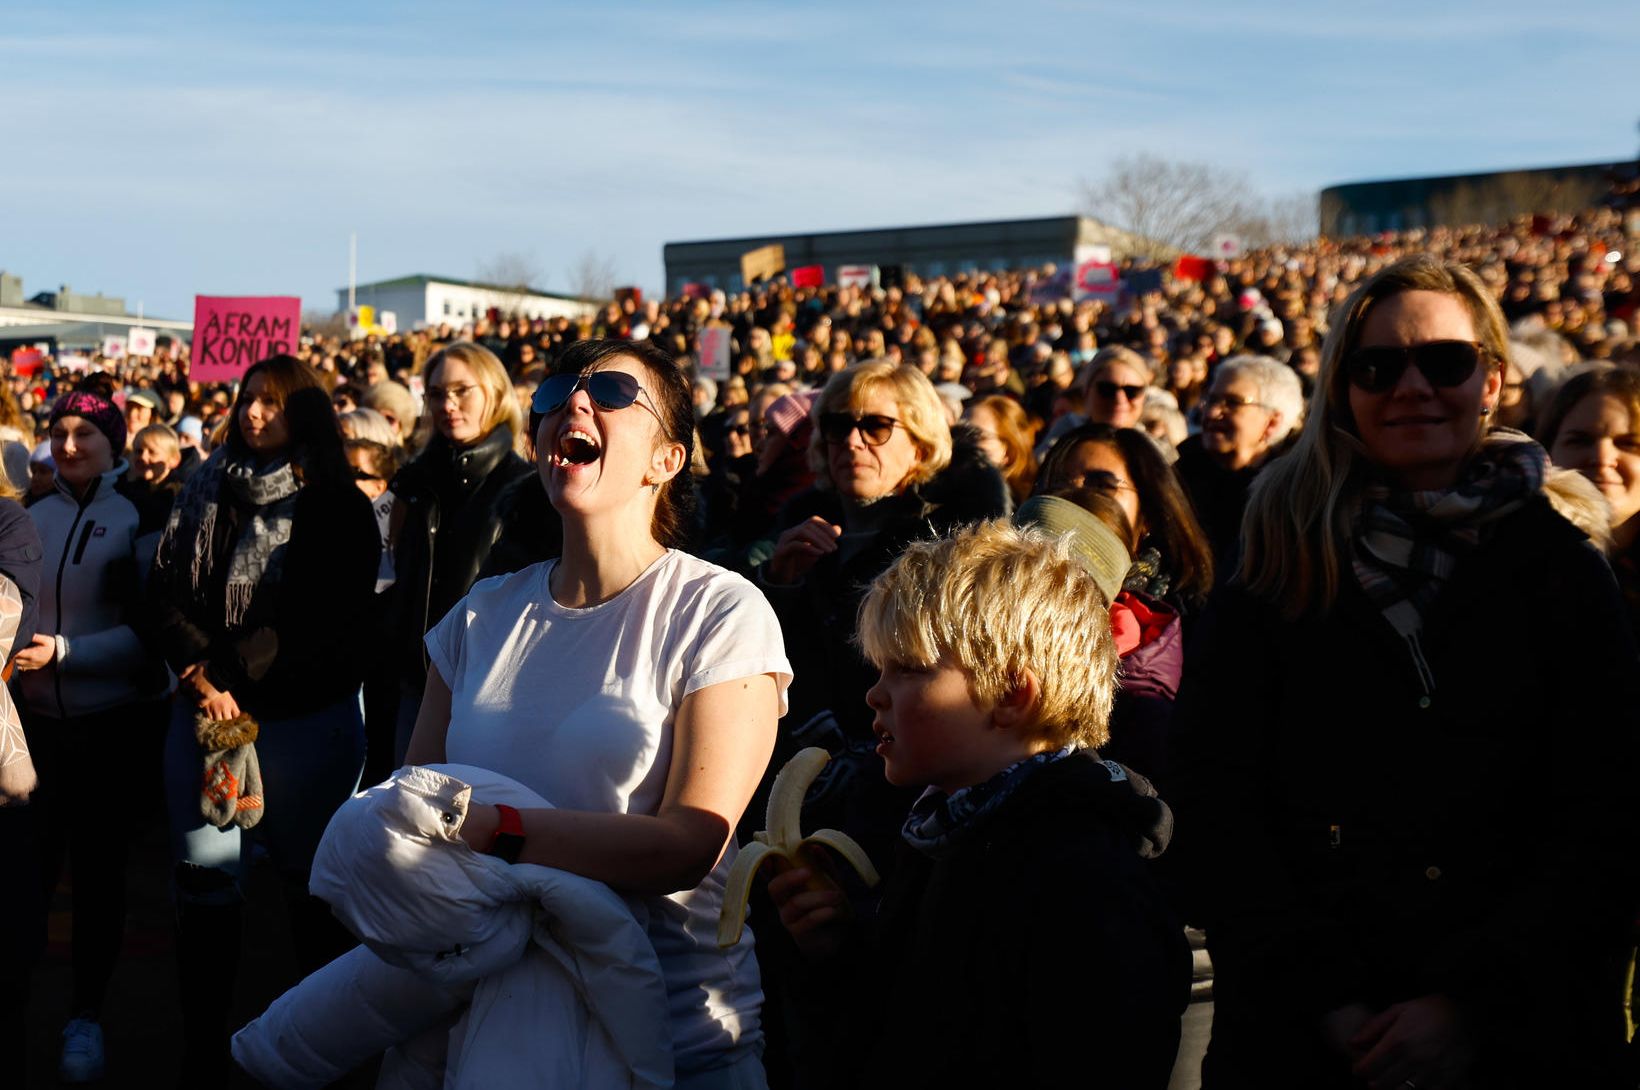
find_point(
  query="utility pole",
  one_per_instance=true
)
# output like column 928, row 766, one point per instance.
column 352, row 268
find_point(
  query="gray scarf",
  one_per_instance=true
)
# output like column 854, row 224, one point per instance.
column 266, row 500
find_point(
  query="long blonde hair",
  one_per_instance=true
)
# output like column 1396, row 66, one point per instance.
column 500, row 404
column 1296, row 532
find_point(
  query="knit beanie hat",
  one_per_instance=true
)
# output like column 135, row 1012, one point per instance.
column 103, row 415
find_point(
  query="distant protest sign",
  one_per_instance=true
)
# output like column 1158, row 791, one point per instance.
column 1099, row 280
column 712, row 342
column 74, row 362
column 113, row 348
column 856, row 276
column 763, row 263
column 1227, row 246
column 231, row 333
column 808, row 276
column 140, row 341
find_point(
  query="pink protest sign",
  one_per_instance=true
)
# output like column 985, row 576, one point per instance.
column 231, row 333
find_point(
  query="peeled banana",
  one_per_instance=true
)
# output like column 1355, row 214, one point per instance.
column 783, row 842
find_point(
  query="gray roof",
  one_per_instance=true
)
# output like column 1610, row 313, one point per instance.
column 418, row 279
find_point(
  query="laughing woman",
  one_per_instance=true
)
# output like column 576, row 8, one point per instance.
column 1401, row 790
column 630, row 683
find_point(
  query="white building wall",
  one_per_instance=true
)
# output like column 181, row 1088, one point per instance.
column 434, row 301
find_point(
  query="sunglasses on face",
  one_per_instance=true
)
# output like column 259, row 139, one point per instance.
column 609, row 390
column 1443, row 363
column 1109, row 390
column 739, row 429
column 874, row 428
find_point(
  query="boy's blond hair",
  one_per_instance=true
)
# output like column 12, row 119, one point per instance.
column 996, row 600
column 163, row 439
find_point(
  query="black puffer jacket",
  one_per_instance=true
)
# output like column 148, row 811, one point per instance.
column 446, row 522
column 1351, row 836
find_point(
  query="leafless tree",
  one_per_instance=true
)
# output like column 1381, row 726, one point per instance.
column 507, row 278
column 592, row 276
column 1176, row 206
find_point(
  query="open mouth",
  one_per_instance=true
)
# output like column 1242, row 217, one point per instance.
column 576, row 447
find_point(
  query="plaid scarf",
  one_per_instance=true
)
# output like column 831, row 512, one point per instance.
column 1407, row 543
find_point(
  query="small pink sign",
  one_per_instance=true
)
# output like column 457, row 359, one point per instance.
column 233, row 332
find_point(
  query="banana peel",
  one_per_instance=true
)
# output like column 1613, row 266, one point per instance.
column 782, row 844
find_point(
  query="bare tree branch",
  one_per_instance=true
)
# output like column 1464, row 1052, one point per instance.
column 592, row 276
column 1175, row 206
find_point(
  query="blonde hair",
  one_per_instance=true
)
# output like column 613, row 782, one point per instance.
column 921, row 412
column 163, row 438
column 1296, row 532
column 500, row 403
column 996, row 600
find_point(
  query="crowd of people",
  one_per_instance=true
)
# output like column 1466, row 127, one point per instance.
column 1204, row 674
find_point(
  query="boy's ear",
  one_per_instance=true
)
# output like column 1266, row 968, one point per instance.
column 1018, row 705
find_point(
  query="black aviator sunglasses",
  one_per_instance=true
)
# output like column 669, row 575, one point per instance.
column 609, row 390
column 875, row 428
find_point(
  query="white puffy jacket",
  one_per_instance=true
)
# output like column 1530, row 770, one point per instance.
column 473, row 973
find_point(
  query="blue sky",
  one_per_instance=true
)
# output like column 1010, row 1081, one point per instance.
column 158, row 150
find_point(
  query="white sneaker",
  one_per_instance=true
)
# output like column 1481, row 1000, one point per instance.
column 82, row 1052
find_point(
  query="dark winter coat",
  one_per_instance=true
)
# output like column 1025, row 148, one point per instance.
column 1039, row 954
column 448, row 523
column 1219, row 496
column 298, row 648
column 1353, row 837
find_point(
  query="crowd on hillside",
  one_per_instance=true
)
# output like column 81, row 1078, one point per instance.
column 1250, row 660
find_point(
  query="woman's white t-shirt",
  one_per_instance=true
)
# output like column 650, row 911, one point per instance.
column 578, row 703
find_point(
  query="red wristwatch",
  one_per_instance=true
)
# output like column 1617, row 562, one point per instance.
column 508, row 840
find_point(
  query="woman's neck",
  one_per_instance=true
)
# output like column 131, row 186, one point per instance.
column 601, row 559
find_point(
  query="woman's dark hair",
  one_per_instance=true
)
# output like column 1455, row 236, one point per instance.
column 1170, row 522
column 316, row 438
column 675, row 506
column 1622, row 383
column 282, row 376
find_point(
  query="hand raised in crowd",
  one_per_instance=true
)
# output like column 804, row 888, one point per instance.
column 1420, row 1042
column 211, row 700
column 797, row 550
column 40, row 651
column 812, row 917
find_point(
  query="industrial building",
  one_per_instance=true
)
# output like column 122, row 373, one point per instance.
column 941, row 250
column 1399, row 204
column 420, row 300
column 65, row 320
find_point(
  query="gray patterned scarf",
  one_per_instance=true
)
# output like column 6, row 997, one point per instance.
column 265, row 499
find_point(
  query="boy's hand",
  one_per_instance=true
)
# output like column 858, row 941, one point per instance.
column 813, row 917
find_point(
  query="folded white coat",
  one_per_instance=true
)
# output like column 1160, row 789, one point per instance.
column 473, row 973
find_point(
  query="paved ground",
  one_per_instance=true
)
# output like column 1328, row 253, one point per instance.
column 143, row 1031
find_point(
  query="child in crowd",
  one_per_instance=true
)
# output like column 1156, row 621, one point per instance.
column 152, row 483
column 1021, row 940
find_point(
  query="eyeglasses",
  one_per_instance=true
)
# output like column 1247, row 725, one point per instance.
column 739, row 429
column 1103, row 480
column 438, row 395
column 609, row 390
column 874, row 428
column 1109, row 390
column 1229, row 403
column 366, row 475
column 1379, row 369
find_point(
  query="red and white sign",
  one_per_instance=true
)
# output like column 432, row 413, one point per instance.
column 113, row 348
column 712, row 345
column 139, row 341
column 1097, row 280
column 1227, row 246
column 857, row 276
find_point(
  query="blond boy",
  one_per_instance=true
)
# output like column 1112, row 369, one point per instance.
column 1021, row 940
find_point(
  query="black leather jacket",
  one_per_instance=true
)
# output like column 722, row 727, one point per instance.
column 447, row 523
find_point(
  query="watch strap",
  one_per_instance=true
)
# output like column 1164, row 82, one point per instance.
column 508, row 840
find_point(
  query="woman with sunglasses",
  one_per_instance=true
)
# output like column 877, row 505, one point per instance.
column 888, row 471
column 1368, row 771
column 634, row 685
column 446, row 511
column 1114, row 391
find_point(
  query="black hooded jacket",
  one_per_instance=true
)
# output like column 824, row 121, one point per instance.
column 1040, row 953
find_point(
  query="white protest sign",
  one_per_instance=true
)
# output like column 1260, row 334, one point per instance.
column 712, row 344
column 1097, row 280
column 389, row 322
column 140, row 341
column 857, row 276
column 113, row 348
column 76, row 362
column 1099, row 254
column 1227, row 246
